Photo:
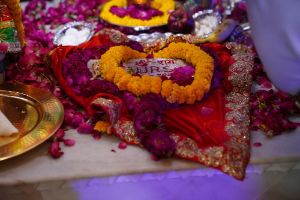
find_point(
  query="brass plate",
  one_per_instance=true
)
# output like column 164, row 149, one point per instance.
column 36, row 113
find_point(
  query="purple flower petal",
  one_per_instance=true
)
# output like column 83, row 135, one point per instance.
column 183, row 75
column 69, row 142
column 85, row 128
column 122, row 145
column 54, row 150
column 120, row 12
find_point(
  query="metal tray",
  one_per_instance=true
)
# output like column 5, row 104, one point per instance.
column 36, row 113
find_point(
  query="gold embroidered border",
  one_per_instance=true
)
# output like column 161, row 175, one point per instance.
column 7, row 24
column 113, row 108
column 234, row 157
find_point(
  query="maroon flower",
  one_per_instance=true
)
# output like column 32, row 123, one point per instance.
column 85, row 128
column 119, row 11
column 147, row 120
column 69, row 142
column 159, row 143
column 183, row 75
column 54, row 150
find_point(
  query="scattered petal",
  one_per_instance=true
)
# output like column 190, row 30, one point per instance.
column 85, row 128
column 69, row 142
column 60, row 133
column 154, row 158
column 122, row 145
column 257, row 144
column 54, row 150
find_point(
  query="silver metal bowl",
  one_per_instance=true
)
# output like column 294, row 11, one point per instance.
column 62, row 33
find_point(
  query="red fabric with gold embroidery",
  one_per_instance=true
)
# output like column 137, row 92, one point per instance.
column 214, row 132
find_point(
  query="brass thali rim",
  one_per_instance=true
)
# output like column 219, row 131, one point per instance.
column 51, row 119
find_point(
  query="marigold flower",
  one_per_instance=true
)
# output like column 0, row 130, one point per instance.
column 165, row 6
column 111, row 70
column 103, row 127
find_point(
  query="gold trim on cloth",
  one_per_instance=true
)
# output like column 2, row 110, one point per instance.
column 234, row 156
column 7, row 24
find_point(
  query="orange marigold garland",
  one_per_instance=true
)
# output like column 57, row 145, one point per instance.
column 111, row 70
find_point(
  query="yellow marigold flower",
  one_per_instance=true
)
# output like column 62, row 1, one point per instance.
column 146, row 83
column 122, row 84
column 166, row 88
column 156, row 85
column 163, row 5
column 199, row 94
column 134, row 85
column 103, row 127
column 119, row 74
column 110, row 75
column 174, row 97
column 182, row 95
column 111, row 70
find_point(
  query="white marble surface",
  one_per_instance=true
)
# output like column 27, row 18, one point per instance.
column 91, row 158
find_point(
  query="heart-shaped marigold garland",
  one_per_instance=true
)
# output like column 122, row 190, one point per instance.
column 112, row 70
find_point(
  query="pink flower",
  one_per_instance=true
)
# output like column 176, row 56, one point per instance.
column 60, row 134
column 183, row 75
column 96, row 135
column 54, row 150
column 159, row 143
column 120, row 12
column 122, row 145
column 69, row 142
column 3, row 47
column 85, row 128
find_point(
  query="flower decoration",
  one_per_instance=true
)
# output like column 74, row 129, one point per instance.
column 271, row 109
column 119, row 13
column 111, row 70
column 136, row 11
column 148, row 123
column 183, row 75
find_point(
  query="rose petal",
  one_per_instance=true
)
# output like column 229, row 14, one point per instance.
column 96, row 135
column 257, row 144
column 69, row 142
column 122, row 145
column 54, row 150
column 154, row 158
column 85, row 128
column 60, row 133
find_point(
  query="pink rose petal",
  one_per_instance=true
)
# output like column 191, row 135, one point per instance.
column 96, row 135
column 122, row 145
column 85, row 128
column 69, row 142
column 54, row 150
column 60, row 133
column 257, row 144
column 154, row 158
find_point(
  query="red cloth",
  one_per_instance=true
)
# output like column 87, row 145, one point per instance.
column 199, row 130
column 203, row 122
column 58, row 55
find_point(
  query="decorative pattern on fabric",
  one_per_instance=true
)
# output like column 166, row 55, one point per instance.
column 233, row 157
column 125, row 130
column 111, row 107
column 8, row 34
